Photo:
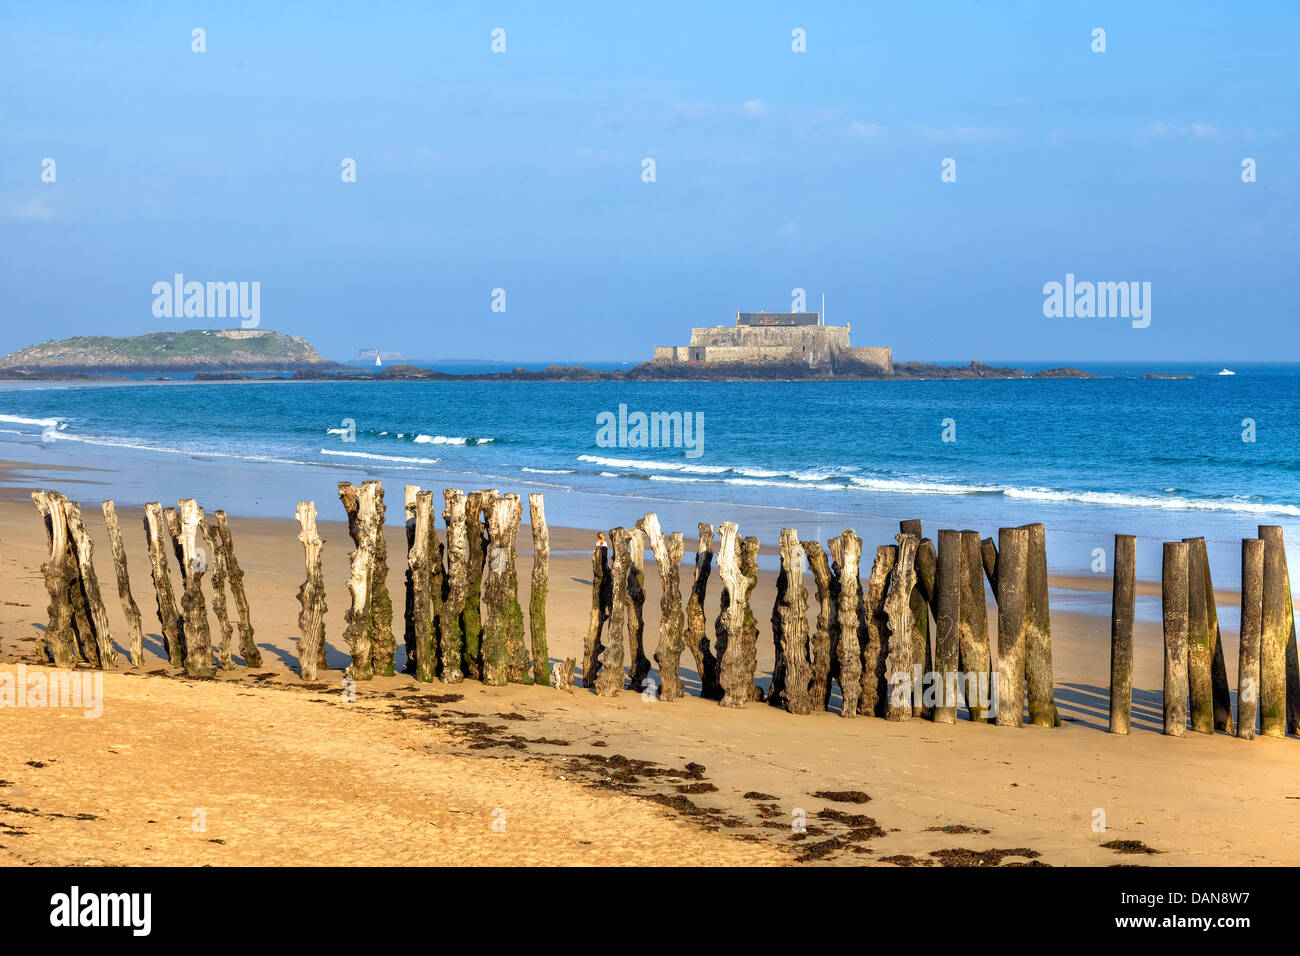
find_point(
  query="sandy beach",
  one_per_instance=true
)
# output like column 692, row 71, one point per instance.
column 279, row 771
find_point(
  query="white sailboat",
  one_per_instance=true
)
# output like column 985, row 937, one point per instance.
column 1227, row 371
column 377, row 362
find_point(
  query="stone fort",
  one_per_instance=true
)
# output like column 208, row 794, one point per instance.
column 780, row 338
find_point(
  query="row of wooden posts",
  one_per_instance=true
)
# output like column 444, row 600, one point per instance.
column 870, row 640
column 463, row 619
column 78, row 629
column 1268, row 671
column 462, row 616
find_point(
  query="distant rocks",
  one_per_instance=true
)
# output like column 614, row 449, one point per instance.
column 197, row 350
column 655, row 371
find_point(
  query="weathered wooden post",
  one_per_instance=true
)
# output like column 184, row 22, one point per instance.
column 672, row 621
column 850, row 650
column 471, row 617
column 736, row 673
column 59, row 574
column 697, row 638
column 169, row 618
column 876, row 677
column 900, row 697
column 1252, row 611
column 540, row 585
column 873, row 648
column 609, row 680
column 517, row 666
column 408, row 617
column 989, row 558
column 822, row 644
column 383, row 643
column 1218, row 667
column 1013, row 599
column 920, row 606
column 420, row 560
column 62, row 570
column 1174, row 600
column 949, row 584
column 198, row 639
column 311, row 618
column 1122, row 603
column 1038, row 634
column 83, row 550
column 602, row 590
column 129, row 607
column 563, row 675
column 640, row 664
column 248, row 648
column 1292, row 660
column 927, row 563
column 452, row 637
column 217, row 562
column 361, row 506
column 973, row 628
column 1200, row 648
column 498, row 605
column 790, row 629
column 84, row 643
column 1276, row 627
column 749, row 548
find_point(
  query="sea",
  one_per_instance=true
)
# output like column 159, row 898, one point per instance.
column 1211, row 455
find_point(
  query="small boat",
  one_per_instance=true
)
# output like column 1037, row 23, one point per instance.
column 377, row 362
column 1227, row 371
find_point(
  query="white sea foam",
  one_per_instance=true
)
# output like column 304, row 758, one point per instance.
column 439, row 440
column 641, row 465
column 42, row 422
column 1117, row 500
column 907, row 486
column 392, row 458
column 548, row 471
column 833, row 480
column 450, row 440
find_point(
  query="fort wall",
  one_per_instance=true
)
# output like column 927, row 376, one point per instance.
column 812, row 345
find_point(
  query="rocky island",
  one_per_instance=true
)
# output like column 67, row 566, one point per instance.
column 198, row 350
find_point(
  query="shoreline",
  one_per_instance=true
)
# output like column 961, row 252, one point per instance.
column 270, row 487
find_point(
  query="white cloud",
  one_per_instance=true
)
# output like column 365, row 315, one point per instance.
column 1160, row 130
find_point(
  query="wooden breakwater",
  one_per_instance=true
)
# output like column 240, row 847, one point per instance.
column 901, row 630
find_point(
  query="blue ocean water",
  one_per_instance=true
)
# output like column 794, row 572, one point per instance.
column 1162, row 459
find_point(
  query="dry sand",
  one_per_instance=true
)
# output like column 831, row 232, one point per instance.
column 418, row 773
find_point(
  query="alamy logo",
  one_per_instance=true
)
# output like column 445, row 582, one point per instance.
column 653, row 430
column 212, row 300
column 75, row 908
column 1101, row 300
column 59, row 688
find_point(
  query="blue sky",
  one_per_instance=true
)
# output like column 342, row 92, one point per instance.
column 774, row 170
